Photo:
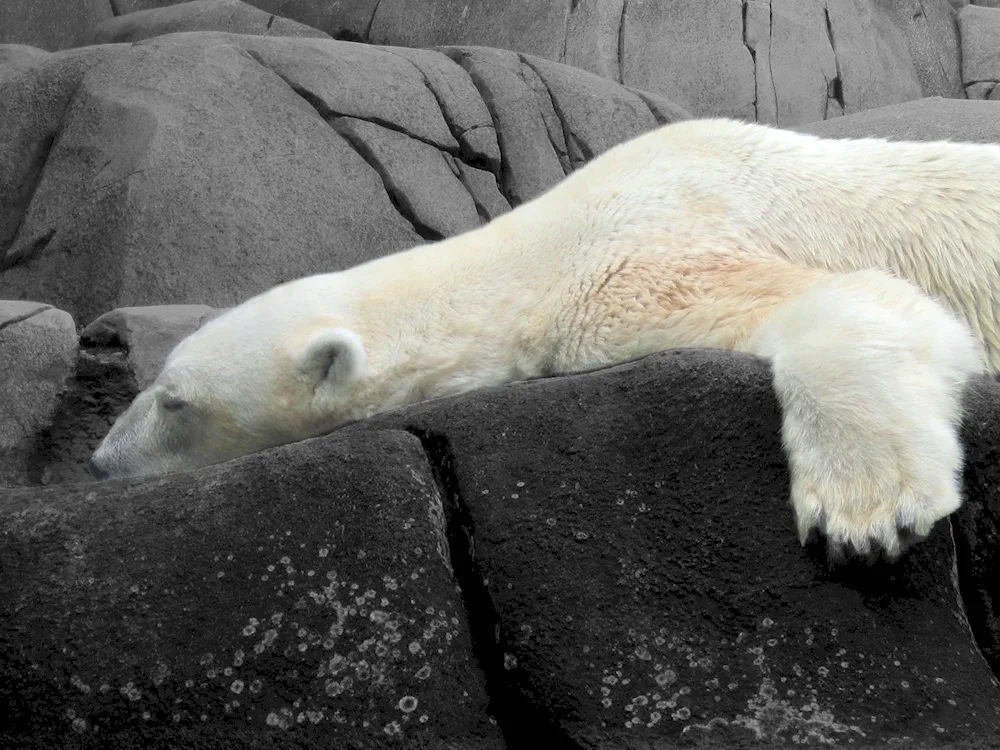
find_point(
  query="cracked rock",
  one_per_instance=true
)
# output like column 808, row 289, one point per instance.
column 199, row 15
column 633, row 531
column 304, row 595
column 38, row 346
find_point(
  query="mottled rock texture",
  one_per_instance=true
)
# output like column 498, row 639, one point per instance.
column 300, row 598
column 628, row 577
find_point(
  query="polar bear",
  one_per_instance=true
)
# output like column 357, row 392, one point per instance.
column 865, row 271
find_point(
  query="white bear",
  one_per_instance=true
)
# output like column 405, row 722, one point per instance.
column 712, row 233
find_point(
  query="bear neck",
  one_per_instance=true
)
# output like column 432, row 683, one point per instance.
column 457, row 315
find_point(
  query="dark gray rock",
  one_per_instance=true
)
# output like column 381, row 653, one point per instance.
column 930, row 30
column 38, row 347
column 632, row 530
column 148, row 334
column 299, row 598
column 199, row 15
column 51, row 24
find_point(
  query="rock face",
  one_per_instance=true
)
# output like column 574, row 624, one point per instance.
column 232, row 16
column 51, row 24
column 776, row 61
column 980, row 53
column 629, row 577
column 266, row 603
column 38, row 348
column 204, row 168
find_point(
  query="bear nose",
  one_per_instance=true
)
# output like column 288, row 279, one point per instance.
column 96, row 471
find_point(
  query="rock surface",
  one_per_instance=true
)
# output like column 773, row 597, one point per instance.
column 232, row 16
column 51, row 24
column 38, row 348
column 980, row 51
column 932, row 119
column 629, row 573
column 202, row 168
column 302, row 597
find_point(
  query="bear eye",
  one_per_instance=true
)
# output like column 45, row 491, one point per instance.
column 170, row 402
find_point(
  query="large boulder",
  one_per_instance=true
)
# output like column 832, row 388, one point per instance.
column 199, row 15
column 629, row 577
column 777, row 61
column 634, row 533
column 933, row 119
column 300, row 598
column 202, row 168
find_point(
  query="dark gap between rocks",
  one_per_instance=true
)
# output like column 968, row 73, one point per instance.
column 102, row 388
column 522, row 725
column 977, row 613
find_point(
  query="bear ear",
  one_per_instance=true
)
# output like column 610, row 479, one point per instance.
column 334, row 356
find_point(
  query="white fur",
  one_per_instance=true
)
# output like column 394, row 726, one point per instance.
column 704, row 233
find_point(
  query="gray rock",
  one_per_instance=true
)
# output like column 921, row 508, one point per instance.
column 199, row 15
column 50, row 24
column 148, row 334
column 932, row 119
column 980, row 30
column 14, row 53
column 302, row 596
column 164, row 213
column 38, row 346
column 931, row 33
column 633, row 529
column 691, row 53
column 532, row 28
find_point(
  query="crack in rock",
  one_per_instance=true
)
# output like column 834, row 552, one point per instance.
column 753, row 57
column 521, row 722
column 398, row 197
column 21, row 318
column 576, row 152
column 621, row 43
column 835, row 88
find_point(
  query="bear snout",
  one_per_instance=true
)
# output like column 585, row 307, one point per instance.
column 95, row 470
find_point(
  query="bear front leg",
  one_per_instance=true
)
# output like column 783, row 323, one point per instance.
column 869, row 372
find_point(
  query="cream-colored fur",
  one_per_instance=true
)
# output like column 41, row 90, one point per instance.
column 704, row 233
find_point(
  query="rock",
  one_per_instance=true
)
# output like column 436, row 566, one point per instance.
column 980, row 31
column 50, row 24
column 20, row 53
column 220, row 181
column 932, row 119
column 148, row 334
column 691, row 53
column 421, row 184
column 342, row 19
column 533, row 28
column 551, row 118
column 38, row 347
column 301, row 597
column 977, row 523
column 199, row 15
column 931, row 34
column 633, row 533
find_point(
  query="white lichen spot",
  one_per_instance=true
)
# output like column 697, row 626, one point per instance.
column 237, row 687
column 408, row 704
column 773, row 719
column 424, row 672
